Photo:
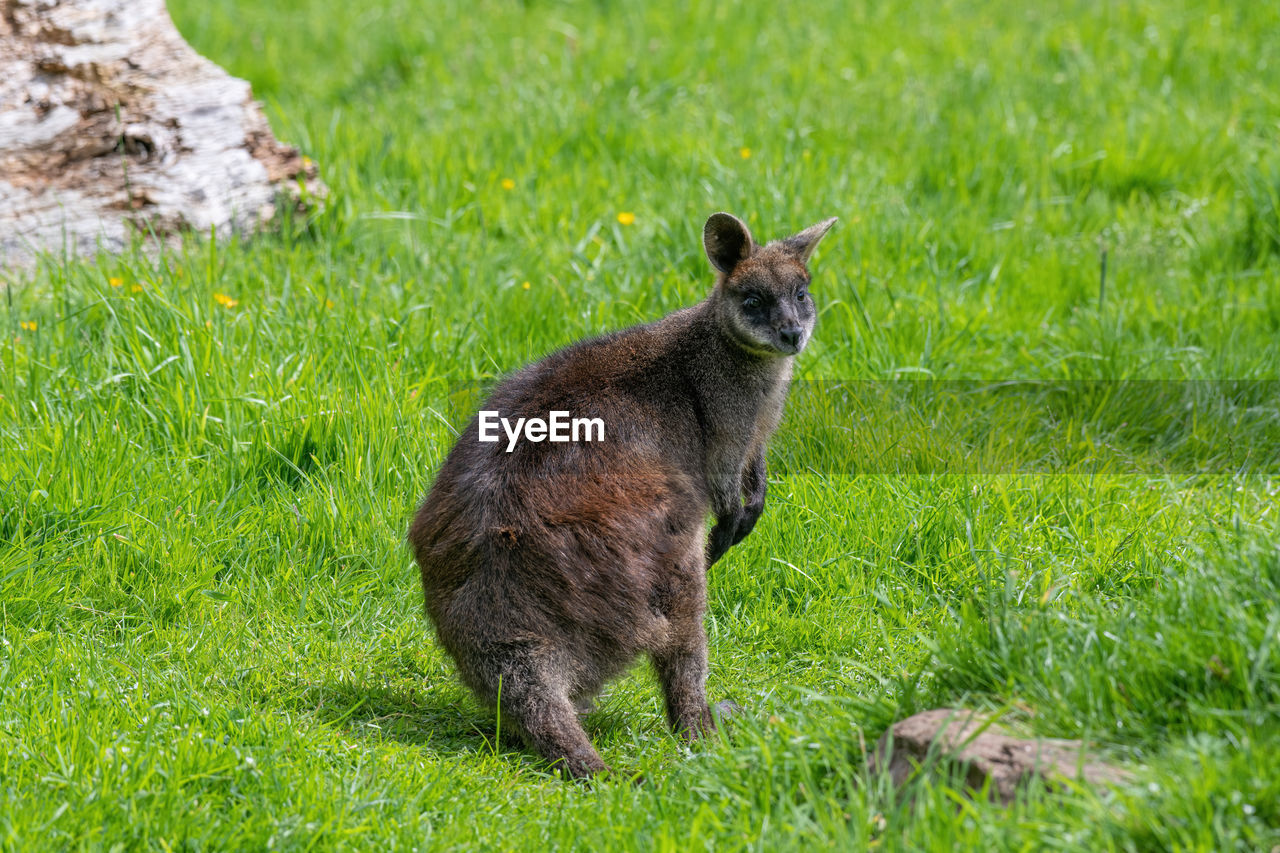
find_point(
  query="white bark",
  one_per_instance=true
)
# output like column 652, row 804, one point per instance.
column 112, row 126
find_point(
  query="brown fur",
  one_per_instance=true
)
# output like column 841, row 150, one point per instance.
column 548, row 570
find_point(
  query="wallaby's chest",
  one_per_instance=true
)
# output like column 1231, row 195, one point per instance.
column 741, row 429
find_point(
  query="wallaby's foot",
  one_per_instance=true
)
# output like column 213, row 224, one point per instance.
column 683, row 674
column 569, row 752
column 695, row 725
column 549, row 723
column 584, row 768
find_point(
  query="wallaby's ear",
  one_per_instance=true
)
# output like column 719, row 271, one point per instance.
column 727, row 241
column 806, row 241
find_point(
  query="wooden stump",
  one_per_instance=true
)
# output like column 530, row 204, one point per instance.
column 112, row 126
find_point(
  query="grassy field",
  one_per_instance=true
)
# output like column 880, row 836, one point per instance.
column 211, row 633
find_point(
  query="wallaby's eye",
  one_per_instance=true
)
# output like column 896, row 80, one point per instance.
column 802, row 295
column 751, row 302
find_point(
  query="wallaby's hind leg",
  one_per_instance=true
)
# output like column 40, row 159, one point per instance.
column 682, row 670
column 549, row 723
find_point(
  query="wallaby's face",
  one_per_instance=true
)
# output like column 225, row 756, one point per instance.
column 762, row 295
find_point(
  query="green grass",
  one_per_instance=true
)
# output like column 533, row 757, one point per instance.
column 211, row 635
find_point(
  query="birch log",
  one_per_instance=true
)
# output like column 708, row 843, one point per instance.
column 112, row 126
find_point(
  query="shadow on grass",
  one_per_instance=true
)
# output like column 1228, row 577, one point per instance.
column 444, row 720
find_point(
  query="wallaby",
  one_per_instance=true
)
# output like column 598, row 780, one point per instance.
column 549, row 566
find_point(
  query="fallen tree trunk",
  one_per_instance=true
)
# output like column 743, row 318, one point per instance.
column 112, row 126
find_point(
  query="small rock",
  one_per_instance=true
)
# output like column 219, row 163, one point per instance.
column 987, row 751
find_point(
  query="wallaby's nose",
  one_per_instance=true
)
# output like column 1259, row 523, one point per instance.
column 790, row 336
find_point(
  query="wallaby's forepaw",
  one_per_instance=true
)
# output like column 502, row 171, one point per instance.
column 721, row 539
column 732, row 529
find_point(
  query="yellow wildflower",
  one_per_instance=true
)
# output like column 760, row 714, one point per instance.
column 29, row 325
column 225, row 301
column 115, row 282
column 328, row 304
column 137, row 288
column 525, row 285
column 508, row 184
column 627, row 218
column 745, row 153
